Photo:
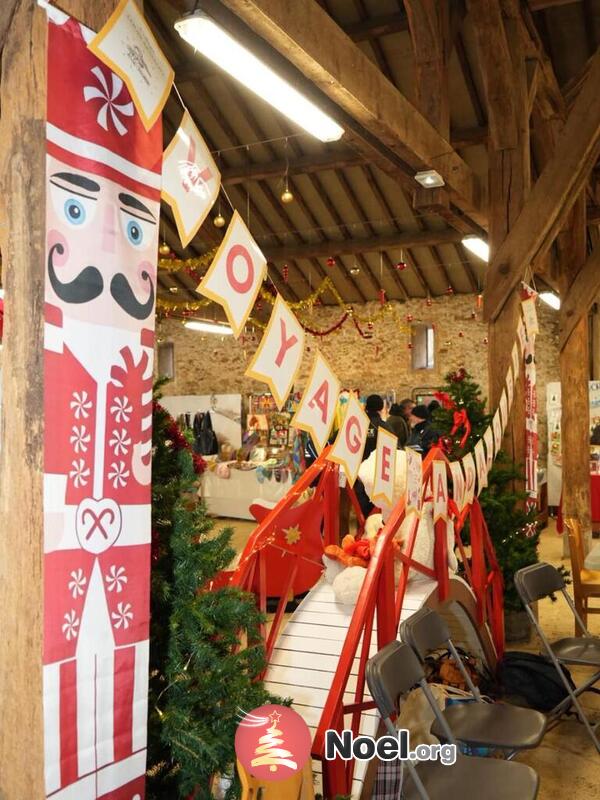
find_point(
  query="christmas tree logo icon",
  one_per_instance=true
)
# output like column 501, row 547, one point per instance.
column 272, row 742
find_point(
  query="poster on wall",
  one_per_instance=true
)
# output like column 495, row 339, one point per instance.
column 102, row 214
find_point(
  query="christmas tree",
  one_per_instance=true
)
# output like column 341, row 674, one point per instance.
column 269, row 753
column 512, row 528
column 206, row 654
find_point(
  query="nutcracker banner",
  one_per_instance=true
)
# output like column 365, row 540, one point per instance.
column 102, row 215
column 385, row 467
column 440, row 491
column 458, row 484
column 190, row 179
column 414, row 471
column 316, row 411
column 279, row 355
column 236, row 274
column 349, row 445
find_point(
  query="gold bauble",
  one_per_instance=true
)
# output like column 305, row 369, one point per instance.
column 286, row 196
column 164, row 250
column 219, row 221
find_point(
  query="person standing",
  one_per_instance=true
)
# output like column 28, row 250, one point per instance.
column 398, row 424
column 423, row 436
column 373, row 407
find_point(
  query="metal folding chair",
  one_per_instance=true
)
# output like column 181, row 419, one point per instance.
column 543, row 580
column 394, row 671
column 495, row 725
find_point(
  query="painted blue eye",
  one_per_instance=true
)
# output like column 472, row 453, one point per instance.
column 74, row 211
column 135, row 233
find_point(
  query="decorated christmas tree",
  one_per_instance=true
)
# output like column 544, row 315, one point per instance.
column 205, row 654
column 462, row 420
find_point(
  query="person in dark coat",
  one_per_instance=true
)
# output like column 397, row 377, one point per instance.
column 397, row 424
column 423, row 436
column 373, row 407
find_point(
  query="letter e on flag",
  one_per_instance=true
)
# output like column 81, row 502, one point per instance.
column 236, row 274
column 279, row 354
column 385, row 467
column 316, row 411
column 350, row 442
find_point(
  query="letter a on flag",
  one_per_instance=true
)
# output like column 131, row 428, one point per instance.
column 279, row 355
column 440, row 491
column 190, row 179
column 350, row 443
column 316, row 411
column 385, row 467
column 235, row 276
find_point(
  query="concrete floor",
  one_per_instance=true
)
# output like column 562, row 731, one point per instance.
column 566, row 761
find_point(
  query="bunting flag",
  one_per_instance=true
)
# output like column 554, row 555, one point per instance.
column 236, row 274
column 316, row 411
column 516, row 361
column 488, row 440
column 470, row 473
column 414, row 467
column 127, row 45
column 521, row 334
column 279, row 354
column 102, row 213
column 481, row 464
column 190, row 179
column 349, row 445
column 503, row 408
column 458, row 484
column 440, row 491
column 497, row 428
column 385, row 467
column 510, row 388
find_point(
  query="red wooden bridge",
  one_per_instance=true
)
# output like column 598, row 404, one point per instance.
column 319, row 656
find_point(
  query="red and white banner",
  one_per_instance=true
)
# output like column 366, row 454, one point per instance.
column 385, row 467
column 531, row 417
column 349, row 445
column 103, row 206
column 236, row 274
column 279, row 354
column 316, row 411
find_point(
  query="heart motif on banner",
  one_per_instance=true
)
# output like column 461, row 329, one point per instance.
column 98, row 524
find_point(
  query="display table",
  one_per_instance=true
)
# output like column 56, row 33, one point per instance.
column 232, row 497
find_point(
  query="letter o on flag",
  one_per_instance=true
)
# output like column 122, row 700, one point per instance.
column 243, row 286
column 353, row 442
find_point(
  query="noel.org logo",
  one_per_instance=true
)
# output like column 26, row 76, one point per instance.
column 272, row 742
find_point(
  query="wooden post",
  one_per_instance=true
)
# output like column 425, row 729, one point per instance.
column 574, row 377
column 22, row 240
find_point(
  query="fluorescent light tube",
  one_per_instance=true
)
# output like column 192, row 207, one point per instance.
column 553, row 300
column 208, row 327
column 212, row 41
column 477, row 246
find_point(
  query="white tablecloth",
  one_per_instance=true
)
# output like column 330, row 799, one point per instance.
column 232, row 497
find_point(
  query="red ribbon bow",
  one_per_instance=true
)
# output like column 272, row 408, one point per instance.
column 461, row 420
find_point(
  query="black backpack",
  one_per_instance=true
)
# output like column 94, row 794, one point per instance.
column 206, row 439
column 533, row 679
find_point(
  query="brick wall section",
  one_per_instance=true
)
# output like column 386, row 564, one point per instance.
column 206, row 363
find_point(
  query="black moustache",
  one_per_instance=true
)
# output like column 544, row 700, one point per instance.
column 85, row 287
column 124, row 296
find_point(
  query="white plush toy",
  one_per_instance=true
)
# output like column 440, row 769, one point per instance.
column 347, row 580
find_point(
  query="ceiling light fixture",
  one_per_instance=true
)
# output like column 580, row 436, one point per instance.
column 430, row 179
column 204, row 326
column 551, row 299
column 477, row 246
column 206, row 36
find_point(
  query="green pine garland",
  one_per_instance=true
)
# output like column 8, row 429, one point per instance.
column 200, row 676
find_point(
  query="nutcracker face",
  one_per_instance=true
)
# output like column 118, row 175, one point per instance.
column 94, row 228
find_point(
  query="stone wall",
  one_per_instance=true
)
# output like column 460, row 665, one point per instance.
column 205, row 363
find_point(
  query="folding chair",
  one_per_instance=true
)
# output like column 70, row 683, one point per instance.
column 496, row 725
column 586, row 582
column 390, row 674
column 543, row 580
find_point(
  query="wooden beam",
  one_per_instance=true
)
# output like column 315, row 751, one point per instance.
column 311, row 40
column 374, row 27
column 468, row 137
column 297, row 166
column 542, row 5
column 367, row 245
column 495, row 58
column 581, row 296
column 551, row 198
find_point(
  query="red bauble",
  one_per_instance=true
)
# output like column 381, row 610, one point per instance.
column 460, row 334
column 331, row 261
column 485, row 341
column 382, row 296
column 409, row 345
column 401, row 266
column 285, row 271
column 429, row 302
column 409, row 317
column 450, row 290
